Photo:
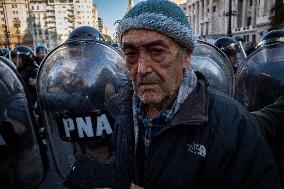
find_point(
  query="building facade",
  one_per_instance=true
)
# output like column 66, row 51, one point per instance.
column 209, row 18
column 102, row 27
column 48, row 22
column 179, row 2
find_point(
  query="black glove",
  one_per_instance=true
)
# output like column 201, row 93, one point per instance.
column 87, row 173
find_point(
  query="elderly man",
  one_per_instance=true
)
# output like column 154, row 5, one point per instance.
column 172, row 131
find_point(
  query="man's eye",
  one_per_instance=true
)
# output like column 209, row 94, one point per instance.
column 131, row 56
column 156, row 51
column 130, row 53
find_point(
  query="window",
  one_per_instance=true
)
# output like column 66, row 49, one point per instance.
column 248, row 21
column 253, row 38
column 214, row 8
column 250, row 3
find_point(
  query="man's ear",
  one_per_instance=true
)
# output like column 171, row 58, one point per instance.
column 186, row 59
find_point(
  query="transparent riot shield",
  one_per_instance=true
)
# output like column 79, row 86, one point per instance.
column 21, row 163
column 73, row 83
column 260, row 79
column 215, row 66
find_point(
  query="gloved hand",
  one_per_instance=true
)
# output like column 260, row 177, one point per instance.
column 87, row 173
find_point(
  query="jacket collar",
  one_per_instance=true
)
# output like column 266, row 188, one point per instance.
column 195, row 108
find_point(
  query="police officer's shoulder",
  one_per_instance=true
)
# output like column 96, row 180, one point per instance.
column 225, row 106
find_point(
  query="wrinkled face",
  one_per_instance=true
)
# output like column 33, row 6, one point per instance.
column 155, row 63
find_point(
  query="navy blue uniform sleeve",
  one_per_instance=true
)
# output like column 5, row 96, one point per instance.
column 252, row 165
column 270, row 119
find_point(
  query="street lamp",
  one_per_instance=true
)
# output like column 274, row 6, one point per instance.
column 230, row 13
column 7, row 33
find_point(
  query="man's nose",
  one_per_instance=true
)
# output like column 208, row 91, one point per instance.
column 144, row 63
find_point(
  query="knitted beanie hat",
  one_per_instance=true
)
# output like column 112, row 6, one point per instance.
column 162, row 16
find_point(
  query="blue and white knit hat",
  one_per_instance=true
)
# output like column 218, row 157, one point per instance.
column 162, row 16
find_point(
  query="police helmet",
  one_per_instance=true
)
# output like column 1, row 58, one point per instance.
column 227, row 45
column 40, row 49
column 85, row 33
column 273, row 37
column 40, row 52
column 22, row 56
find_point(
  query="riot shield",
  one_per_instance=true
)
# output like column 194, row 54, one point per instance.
column 260, row 79
column 215, row 66
column 21, row 163
column 74, row 81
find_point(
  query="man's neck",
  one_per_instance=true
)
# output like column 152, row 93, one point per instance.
column 153, row 110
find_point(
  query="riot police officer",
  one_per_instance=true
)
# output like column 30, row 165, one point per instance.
column 74, row 81
column 260, row 87
column 40, row 52
column 21, row 161
column 23, row 58
column 232, row 49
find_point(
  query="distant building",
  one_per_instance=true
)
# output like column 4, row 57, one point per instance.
column 179, row 2
column 47, row 22
column 102, row 27
column 95, row 16
column 209, row 21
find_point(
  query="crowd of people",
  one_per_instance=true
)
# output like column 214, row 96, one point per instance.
column 91, row 115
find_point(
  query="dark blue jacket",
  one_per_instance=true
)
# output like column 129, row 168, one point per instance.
column 212, row 143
